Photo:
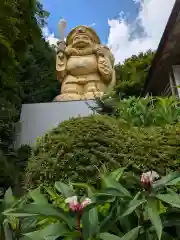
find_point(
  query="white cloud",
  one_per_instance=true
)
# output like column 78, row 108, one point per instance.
column 92, row 24
column 136, row 1
column 50, row 37
column 152, row 18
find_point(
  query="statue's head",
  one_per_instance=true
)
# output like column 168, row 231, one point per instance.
column 82, row 37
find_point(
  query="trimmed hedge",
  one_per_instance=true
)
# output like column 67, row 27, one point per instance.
column 78, row 148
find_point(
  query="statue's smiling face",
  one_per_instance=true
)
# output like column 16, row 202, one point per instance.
column 81, row 41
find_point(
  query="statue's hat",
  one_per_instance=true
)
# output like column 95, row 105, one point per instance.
column 82, row 30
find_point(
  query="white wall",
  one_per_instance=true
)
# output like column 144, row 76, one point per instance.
column 38, row 118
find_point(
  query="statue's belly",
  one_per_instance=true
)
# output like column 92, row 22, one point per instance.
column 82, row 65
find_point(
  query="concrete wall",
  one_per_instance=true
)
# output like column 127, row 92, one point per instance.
column 38, row 118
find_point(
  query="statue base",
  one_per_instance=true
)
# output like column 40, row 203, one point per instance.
column 77, row 97
column 38, row 118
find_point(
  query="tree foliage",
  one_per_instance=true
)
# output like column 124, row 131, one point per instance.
column 132, row 73
column 20, row 30
column 37, row 74
column 19, row 26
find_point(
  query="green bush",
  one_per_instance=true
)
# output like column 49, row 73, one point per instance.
column 78, row 148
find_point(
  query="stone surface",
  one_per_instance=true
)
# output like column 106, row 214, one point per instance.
column 84, row 67
column 36, row 119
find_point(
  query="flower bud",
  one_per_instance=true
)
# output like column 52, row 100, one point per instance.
column 75, row 206
column 148, row 178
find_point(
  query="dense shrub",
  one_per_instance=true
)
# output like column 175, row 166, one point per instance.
column 78, row 148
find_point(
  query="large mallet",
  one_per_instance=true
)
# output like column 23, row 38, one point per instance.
column 62, row 26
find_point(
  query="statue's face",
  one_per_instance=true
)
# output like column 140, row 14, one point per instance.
column 82, row 41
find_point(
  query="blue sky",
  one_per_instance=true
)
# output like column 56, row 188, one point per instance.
column 126, row 26
column 95, row 12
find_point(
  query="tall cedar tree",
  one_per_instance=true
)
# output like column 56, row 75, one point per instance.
column 20, row 22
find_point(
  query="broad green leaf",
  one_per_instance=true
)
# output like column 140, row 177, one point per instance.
column 131, row 235
column 138, row 194
column 152, row 209
column 52, row 231
column 7, row 230
column 162, row 208
column 90, row 189
column 108, row 236
column 127, row 223
column 21, row 202
column 90, row 206
column 170, row 191
column 131, row 207
column 110, row 192
column 170, row 179
column 149, row 236
column 8, row 197
column 100, row 199
column 117, row 174
column 90, row 223
column 29, row 224
column 24, row 238
column 173, row 182
column 47, row 210
column 64, row 189
column 38, row 197
column 72, row 235
column 51, row 192
column 110, row 219
column 172, row 199
column 109, row 182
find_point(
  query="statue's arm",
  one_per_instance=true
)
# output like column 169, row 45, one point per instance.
column 61, row 66
column 105, row 66
column 61, row 62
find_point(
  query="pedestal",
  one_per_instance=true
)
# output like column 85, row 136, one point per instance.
column 36, row 119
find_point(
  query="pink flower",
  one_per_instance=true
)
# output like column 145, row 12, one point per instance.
column 86, row 202
column 148, row 178
column 75, row 206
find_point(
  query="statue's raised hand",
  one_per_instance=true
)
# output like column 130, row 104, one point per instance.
column 61, row 46
column 102, row 51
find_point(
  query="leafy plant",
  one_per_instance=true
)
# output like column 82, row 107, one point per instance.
column 10, row 226
column 149, row 111
column 138, row 211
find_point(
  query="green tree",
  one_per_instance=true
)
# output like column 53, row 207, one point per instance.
column 37, row 74
column 20, row 23
column 132, row 73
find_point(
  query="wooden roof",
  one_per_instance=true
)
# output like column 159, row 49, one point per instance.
column 168, row 54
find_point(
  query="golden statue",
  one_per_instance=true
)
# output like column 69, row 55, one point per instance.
column 85, row 68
